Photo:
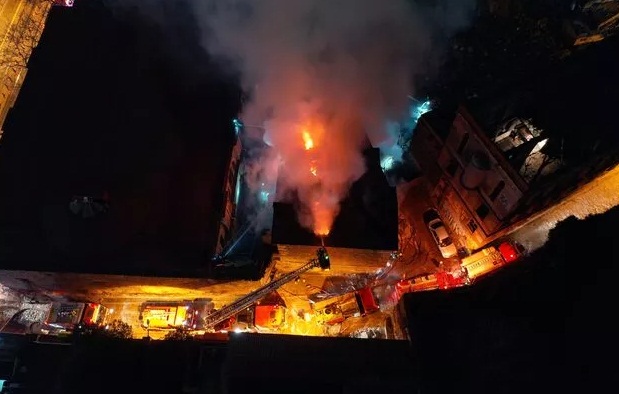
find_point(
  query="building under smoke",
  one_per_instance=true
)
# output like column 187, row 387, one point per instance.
column 364, row 232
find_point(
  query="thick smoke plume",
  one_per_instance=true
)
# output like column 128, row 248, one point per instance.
column 331, row 72
column 323, row 75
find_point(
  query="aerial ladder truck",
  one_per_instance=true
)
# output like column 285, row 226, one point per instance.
column 321, row 260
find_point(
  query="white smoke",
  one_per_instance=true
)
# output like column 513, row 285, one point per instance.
column 343, row 67
column 345, row 64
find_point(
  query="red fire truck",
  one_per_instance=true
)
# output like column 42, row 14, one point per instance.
column 168, row 315
column 490, row 259
column 471, row 268
column 65, row 317
column 336, row 309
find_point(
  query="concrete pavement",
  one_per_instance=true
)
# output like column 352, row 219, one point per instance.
column 420, row 252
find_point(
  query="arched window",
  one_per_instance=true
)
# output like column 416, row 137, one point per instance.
column 497, row 190
column 463, row 142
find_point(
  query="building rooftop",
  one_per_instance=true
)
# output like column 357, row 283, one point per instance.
column 440, row 120
column 572, row 106
column 114, row 107
column 368, row 217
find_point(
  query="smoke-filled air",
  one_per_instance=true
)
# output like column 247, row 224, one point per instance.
column 322, row 76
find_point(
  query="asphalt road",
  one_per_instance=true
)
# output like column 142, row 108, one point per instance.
column 420, row 253
column 123, row 295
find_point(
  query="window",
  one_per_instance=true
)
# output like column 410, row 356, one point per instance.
column 452, row 167
column 482, row 211
column 472, row 226
column 497, row 190
column 463, row 142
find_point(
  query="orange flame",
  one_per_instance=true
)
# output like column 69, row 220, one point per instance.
column 321, row 215
column 322, row 220
column 322, row 232
column 307, row 140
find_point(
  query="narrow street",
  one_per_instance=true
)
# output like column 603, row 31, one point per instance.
column 420, row 253
column 123, row 295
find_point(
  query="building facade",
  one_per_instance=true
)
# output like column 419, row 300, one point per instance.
column 485, row 183
column 21, row 26
column 228, row 223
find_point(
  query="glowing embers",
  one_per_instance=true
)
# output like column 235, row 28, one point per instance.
column 308, row 145
column 313, row 168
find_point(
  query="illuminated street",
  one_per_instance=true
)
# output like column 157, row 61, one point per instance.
column 125, row 294
column 309, row 196
column 593, row 199
column 420, row 252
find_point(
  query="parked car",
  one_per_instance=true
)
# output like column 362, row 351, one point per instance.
column 441, row 237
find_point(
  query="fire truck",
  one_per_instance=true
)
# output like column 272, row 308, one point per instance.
column 270, row 312
column 265, row 315
column 440, row 280
column 471, row 268
column 224, row 318
column 65, row 317
column 164, row 315
column 201, row 315
column 336, row 309
column 490, row 259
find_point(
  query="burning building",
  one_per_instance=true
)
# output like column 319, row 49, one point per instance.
column 362, row 236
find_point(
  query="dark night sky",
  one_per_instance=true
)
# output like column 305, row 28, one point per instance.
column 115, row 103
